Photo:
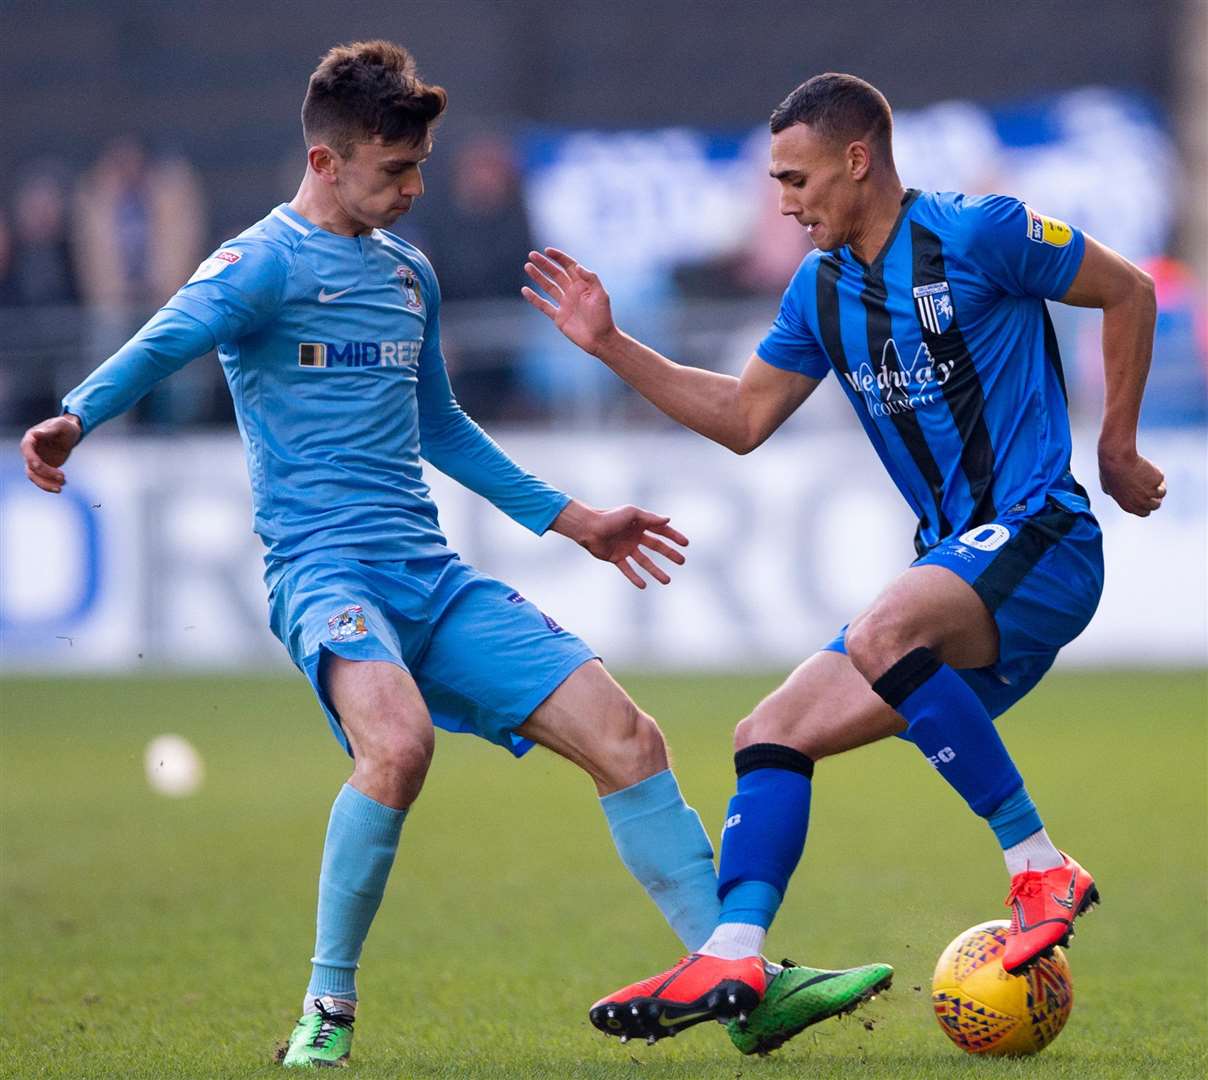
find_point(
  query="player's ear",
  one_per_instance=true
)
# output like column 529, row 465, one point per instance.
column 858, row 160
column 322, row 160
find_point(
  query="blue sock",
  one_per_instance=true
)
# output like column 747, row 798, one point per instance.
column 362, row 837
column 765, row 832
column 1015, row 819
column 661, row 841
column 947, row 721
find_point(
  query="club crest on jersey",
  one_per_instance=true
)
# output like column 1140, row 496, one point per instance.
column 934, row 303
column 348, row 624
column 413, row 298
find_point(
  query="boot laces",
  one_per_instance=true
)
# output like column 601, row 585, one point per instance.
column 1024, row 887
column 331, row 1022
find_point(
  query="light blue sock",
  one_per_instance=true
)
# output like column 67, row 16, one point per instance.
column 362, row 837
column 753, row 903
column 1015, row 819
column 664, row 845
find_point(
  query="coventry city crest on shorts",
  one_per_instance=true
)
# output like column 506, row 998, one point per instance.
column 413, row 299
column 348, row 624
column 934, row 303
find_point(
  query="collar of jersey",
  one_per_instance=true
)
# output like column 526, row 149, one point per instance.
column 908, row 200
column 316, row 230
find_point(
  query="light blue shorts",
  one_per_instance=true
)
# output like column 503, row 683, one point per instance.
column 1040, row 577
column 482, row 655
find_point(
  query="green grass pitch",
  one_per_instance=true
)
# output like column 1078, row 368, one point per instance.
column 148, row 937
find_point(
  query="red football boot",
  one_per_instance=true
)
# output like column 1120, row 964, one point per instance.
column 697, row 988
column 1044, row 905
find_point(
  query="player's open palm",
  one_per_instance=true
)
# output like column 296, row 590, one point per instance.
column 624, row 536
column 45, row 447
column 619, row 536
column 572, row 297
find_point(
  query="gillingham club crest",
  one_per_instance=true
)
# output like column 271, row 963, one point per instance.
column 413, row 299
column 934, row 304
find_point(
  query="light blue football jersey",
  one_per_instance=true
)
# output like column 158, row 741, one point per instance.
column 331, row 348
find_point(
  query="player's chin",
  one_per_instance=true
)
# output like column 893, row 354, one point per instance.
column 822, row 239
column 389, row 217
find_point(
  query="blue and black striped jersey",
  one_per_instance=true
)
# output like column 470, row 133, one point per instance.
column 945, row 348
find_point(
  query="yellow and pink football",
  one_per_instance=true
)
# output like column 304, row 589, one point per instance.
column 986, row 1011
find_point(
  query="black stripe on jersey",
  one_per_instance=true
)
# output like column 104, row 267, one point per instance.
column 1022, row 552
column 880, row 330
column 827, row 287
column 1052, row 353
column 963, row 393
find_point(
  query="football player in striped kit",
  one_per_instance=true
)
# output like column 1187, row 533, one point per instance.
column 931, row 310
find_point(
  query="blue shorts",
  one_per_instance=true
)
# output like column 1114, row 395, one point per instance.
column 1040, row 576
column 482, row 655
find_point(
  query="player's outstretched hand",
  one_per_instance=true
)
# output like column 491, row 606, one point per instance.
column 572, row 297
column 45, row 447
column 1136, row 483
column 619, row 536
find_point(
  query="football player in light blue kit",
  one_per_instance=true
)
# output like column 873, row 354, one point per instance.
column 328, row 332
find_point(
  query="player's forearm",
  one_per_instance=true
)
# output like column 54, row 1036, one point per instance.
column 1128, row 328
column 457, row 446
column 705, row 401
column 164, row 345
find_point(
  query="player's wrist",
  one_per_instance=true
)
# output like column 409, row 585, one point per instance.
column 1117, row 447
column 574, row 521
column 605, row 346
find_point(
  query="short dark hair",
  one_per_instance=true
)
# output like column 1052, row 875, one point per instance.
column 369, row 89
column 839, row 107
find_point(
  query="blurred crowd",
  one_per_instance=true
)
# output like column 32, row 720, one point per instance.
column 86, row 257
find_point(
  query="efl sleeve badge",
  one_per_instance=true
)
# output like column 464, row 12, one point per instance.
column 1048, row 230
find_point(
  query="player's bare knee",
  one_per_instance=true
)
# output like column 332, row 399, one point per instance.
column 769, row 723
column 401, row 756
column 650, row 748
column 635, row 747
column 881, row 637
column 773, row 720
column 756, row 728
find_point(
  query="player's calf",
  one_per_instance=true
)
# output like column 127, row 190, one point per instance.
column 591, row 721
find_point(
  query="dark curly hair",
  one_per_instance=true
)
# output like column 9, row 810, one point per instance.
column 365, row 90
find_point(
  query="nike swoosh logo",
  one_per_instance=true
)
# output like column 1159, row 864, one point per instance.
column 1068, row 902
column 326, row 297
column 1025, row 926
column 675, row 1021
column 824, row 977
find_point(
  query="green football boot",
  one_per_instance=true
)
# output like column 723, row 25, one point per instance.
column 800, row 996
column 319, row 1039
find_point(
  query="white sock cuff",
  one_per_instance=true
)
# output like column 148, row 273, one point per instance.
column 1035, row 852
column 347, row 1006
column 733, row 941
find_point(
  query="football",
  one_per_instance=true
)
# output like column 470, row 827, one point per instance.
column 986, row 1011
